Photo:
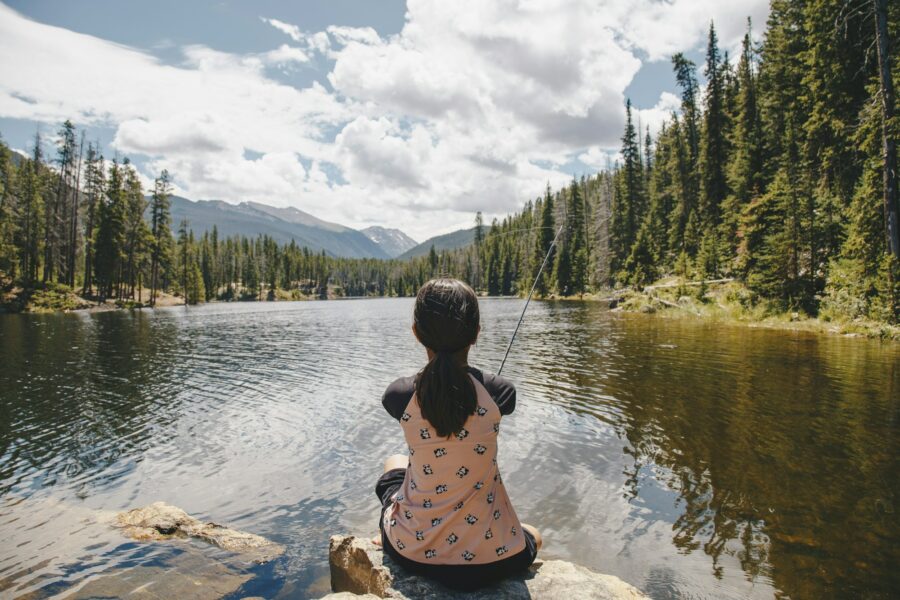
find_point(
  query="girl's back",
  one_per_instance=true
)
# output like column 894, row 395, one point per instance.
column 452, row 507
column 445, row 511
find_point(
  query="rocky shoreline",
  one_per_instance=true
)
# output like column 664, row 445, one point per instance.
column 360, row 570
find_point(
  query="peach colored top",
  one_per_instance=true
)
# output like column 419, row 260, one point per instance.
column 452, row 507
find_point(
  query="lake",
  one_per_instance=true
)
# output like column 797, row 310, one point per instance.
column 691, row 459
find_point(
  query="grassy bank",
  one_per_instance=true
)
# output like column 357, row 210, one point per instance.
column 56, row 297
column 41, row 298
column 730, row 301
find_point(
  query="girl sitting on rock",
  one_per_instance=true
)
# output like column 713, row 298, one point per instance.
column 446, row 513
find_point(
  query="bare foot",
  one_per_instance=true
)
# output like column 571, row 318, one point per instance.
column 377, row 540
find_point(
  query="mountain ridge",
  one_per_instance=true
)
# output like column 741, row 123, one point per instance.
column 281, row 224
column 448, row 241
column 393, row 241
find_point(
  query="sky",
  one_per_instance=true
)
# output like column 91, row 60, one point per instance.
column 411, row 114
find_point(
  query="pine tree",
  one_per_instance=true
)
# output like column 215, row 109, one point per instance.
column 491, row 252
column 640, row 262
column 576, row 242
column 160, row 230
column 73, row 211
column 30, row 212
column 216, row 268
column 562, row 269
column 433, row 261
column 543, row 241
column 7, row 215
column 629, row 200
column 111, row 234
column 207, row 269
column 137, row 234
column 686, row 78
column 506, row 267
column 479, row 250
column 744, row 172
column 891, row 195
column 777, row 252
column 94, row 185
column 184, row 257
column 713, row 155
column 52, row 220
column 663, row 193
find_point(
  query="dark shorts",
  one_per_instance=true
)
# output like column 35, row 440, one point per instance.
column 460, row 577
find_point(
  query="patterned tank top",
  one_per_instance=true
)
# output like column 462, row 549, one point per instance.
column 452, row 507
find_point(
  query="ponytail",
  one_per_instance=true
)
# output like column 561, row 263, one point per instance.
column 447, row 321
column 446, row 394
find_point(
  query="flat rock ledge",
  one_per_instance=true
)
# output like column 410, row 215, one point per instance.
column 359, row 569
column 160, row 521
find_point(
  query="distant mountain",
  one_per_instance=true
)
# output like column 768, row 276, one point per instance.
column 297, row 217
column 448, row 241
column 282, row 224
column 392, row 241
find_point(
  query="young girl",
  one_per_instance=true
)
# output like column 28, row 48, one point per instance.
column 446, row 513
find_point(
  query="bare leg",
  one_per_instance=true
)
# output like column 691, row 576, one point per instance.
column 395, row 461
column 535, row 533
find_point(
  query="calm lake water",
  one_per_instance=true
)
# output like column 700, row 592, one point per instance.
column 691, row 460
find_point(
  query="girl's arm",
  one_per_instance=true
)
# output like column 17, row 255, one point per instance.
column 503, row 392
column 397, row 396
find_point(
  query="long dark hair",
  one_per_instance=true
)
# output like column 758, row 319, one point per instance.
column 447, row 322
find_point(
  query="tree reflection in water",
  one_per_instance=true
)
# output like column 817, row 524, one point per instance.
column 86, row 411
column 782, row 447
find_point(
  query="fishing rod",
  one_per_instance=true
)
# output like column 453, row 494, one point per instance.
column 530, row 294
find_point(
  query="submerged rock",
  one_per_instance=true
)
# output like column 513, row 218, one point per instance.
column 191, row 576
column 161, row 521
column 360, row 567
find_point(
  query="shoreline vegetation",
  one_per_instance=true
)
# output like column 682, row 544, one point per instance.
column 774, row 181
column 721, row 301
column 730, row 302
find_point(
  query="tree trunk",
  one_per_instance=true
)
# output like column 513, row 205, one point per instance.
column 73, row 229
column 889, row 144
column 50, row 226
column 154, row 268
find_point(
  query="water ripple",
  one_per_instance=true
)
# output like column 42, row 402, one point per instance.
column 691, row 460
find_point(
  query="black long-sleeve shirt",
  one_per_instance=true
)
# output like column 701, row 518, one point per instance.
column 399, row 393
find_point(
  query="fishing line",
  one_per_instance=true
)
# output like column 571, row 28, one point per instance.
column 531, row 293
column 534, row 285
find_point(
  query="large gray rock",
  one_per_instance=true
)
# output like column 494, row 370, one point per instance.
column 160, row 521
column 360, row 567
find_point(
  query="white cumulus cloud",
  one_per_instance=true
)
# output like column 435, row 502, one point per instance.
column 474, row 105
column 286, row 28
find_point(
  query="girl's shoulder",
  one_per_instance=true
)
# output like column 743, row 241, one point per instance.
column 501, row 389
column 398, row 394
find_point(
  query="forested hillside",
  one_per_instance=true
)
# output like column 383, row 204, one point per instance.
column 779, row 170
